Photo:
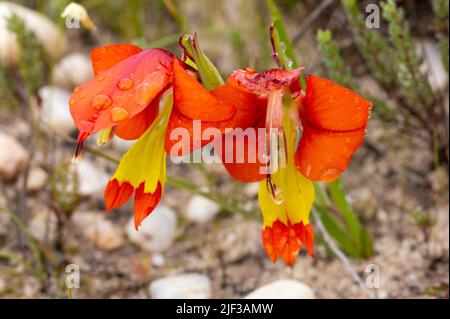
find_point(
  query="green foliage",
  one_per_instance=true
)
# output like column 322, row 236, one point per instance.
column 394, row 61
column 335, row 65
column 413, row 83
column 209, row 74
column 7, row 97
column 373, row 47
column 341, row 221
column 422, row 219
column 282, row 42
column 440, row 8
column 33, row 61
column 64, row 189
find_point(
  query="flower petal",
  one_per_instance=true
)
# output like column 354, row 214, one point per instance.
column 267, row 81
column 145, row 203
column 330, row 106
column 117, row 193
column 249, row 109
column 192, row 100
column 122, row 91
column 107, row 56
column 134, row 127
column 323, row 155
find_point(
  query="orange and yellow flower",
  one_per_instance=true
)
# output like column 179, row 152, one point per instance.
column 330, row 118
column 310, row 134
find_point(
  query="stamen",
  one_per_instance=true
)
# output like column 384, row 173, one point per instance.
column 275, row 141
column 275, row 192
column 78, row 156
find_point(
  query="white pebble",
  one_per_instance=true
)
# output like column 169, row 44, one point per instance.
column 283, row 289
column 99, row 230
column 156, row 232
column 13, row 157
column 72, row 70
column 201, row 210
column 187, row 286
column 55, row 108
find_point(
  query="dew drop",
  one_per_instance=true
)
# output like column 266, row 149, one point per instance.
column 125, row 84
column 329, row 174
column 289, row 63
column 118, row 114
column 100, row 78
column 283, row 46
column 101, row 102
column 145, row 93
column 76, row 89
column 72, row 101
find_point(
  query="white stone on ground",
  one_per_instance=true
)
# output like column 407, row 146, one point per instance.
column 13, row 157
column 37, row 178
column 186, row 286
column 51, row 37
column 43, row 225
column 201, row 210
column 92, row 179
column 99, row 230
column 73, row 69
column 156, row 232
column 283, row 289
column 55, row 108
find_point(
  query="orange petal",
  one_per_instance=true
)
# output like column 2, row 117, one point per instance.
column 107, row 56
column 323, row 155
column 117, row 194
column 267, row 81
column 330, row 106
column 292, row 248
column 286, row 242
column 246, row 165
column 145, row 203
column 192, row 100
column 267, row 239
column 122, row 91
column 134, row 127
column 249, row 109
column 306, row 235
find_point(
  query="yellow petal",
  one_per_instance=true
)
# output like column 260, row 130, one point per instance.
column 145, row 161
column 296, row 192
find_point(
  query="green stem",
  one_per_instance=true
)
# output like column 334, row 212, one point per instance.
column 40, row 272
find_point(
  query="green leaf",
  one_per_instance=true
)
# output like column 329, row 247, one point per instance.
column 284, row 44
column 337, row 231
column 209, row 74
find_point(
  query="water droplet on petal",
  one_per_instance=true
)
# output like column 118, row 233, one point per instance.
column 76, row 89
column 72, row 101
column 101, row 102
column 329, row 174
column 289, row 63
column 100, row 78
column 125, row 84
column 145, row 93
column 118, row 114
